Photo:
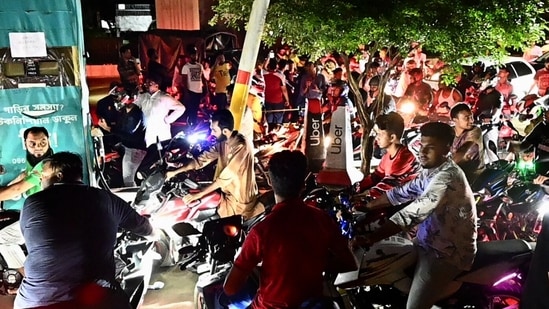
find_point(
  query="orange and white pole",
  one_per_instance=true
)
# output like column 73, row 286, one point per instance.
column 248, row 60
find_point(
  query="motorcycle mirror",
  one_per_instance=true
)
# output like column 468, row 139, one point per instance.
column 184, row 229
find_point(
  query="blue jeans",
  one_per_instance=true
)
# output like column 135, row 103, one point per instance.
column 130, row 162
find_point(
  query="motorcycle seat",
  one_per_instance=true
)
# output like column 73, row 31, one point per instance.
column 498, row 251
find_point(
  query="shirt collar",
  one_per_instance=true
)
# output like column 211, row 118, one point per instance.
column 291, row 202
column 431, row 171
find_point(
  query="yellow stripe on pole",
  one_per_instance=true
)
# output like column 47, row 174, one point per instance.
column 238, row 103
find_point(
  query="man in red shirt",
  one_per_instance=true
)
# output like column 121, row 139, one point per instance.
column 397, row 166
column 541, row 80
column 276, row 95
column 296, row 243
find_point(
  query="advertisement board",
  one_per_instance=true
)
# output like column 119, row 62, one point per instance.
column 42, row 82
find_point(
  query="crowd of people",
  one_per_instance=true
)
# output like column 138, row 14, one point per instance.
column 435, row 185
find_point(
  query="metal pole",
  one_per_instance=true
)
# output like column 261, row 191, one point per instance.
column 248, row 59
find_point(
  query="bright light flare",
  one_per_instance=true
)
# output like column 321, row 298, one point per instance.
column 196, row 137
column 407, row 107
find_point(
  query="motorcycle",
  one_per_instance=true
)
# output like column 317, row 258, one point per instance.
column 12, row 257
column 494, row 281
column 162, row 200
column 134, row 259
column 220, row 241
column 270, row 144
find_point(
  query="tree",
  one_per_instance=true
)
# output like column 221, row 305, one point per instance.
column 452, row 29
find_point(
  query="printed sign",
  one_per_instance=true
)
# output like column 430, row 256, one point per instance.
column 28, row 44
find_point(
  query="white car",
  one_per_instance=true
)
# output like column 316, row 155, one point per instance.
column 521, row 73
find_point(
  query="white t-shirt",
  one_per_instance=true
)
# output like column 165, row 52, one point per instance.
column 156, row 115
column 194, row 76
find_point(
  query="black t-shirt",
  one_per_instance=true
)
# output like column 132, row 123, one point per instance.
column 487, row 102
column 70, row 233
column 539, row 138
column 534, row 295
column 107, row 110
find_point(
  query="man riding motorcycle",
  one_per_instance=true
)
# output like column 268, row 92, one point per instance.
column 443, row 208
column 236, row 177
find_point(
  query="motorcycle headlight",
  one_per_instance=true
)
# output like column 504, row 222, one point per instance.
column 196, row 137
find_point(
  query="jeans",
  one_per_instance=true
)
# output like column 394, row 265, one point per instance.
column 433, row 280
column 192, row 105
column 130, row 162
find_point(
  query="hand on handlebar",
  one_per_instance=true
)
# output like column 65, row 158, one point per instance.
column 189, row 198
column 170, row 174
column 361, row 241
column 540, row 180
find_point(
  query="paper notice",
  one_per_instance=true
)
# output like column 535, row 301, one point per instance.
column 27, row 44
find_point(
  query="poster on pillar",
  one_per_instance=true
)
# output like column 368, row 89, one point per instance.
column 50, row 110
column 42, row 84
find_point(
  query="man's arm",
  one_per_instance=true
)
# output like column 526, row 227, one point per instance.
column 247, row 260
column 202, row 160
column 15, row 189
column 423, row 206
column 129, row 218
column 173, row 105
column 470, row 149
column 23, row 183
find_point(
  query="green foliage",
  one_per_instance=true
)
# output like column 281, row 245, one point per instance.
column 451, row 29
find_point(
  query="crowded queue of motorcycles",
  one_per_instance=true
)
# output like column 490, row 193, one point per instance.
column 195, row 238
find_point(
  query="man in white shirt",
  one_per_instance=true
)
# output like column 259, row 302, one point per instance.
column 193, row 83
column 159, row 111
column 443, row 208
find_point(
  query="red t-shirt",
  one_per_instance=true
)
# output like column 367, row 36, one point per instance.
column 273, row 87
column 391, row 172
column 296, row 243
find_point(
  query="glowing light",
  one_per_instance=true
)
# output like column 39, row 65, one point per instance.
column 505, row 278
column 407, row 107
column 195, row 138
column 230, row 230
